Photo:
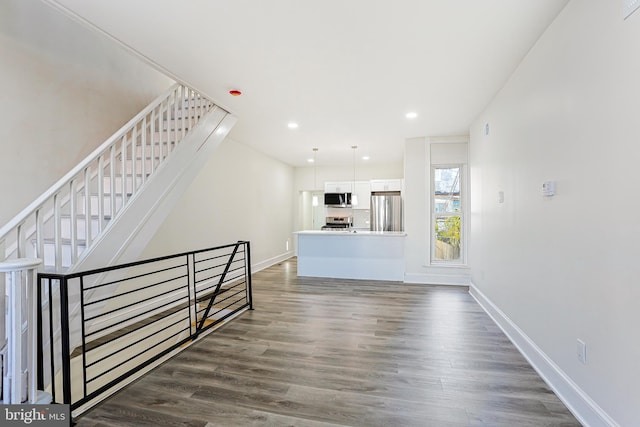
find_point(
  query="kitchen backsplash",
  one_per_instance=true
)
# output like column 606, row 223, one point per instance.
column 361, row 218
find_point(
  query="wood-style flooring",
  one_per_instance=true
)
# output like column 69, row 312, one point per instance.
column 327, row 352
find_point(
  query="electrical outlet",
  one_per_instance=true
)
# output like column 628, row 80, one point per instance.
column 582, row 352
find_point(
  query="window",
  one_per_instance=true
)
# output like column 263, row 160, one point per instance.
column 447, row 215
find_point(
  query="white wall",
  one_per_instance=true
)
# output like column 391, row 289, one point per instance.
column 65, row 91
column 566, row 267
column 240, row 194
column 417, row 171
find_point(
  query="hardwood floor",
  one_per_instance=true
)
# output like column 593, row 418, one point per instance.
column 326, row 352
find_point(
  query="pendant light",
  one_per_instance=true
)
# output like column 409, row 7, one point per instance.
column 314, row 199
column 354, row 196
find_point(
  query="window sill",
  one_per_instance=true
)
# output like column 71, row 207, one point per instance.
column 448, row 265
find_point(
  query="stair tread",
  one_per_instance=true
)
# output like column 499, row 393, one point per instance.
column 109, row 194
column 64, row 241
column 83, row 216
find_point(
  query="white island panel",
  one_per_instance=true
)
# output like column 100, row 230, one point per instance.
column 348, row 255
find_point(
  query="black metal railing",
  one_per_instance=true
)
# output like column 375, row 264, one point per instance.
column 98, row 328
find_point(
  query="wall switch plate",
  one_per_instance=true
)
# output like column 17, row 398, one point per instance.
column 548, row 188
column 500, row 196
column 486, row 125
column 630, row 6
column 581, row 351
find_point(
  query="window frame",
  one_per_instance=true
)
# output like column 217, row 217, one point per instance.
column 461, row 260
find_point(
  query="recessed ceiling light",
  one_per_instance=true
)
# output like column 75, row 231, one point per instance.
column 365, row 157
column 411, row 115
column 292, row 125
column 310, row 160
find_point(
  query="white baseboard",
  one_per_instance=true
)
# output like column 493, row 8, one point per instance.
column 271, row 261
column 437, row 279
column 579, row 403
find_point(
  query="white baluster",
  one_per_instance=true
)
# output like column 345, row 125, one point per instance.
column 133, row 160
column 19, row 273
column 163, row 123
column 19, row 240
column 39, row 236
column 176, row 101
column 73, row 230
column 112, row 173
column 183, row 107
column 152, row 132
column 143, row 138
column 57, row 226
column 123, row 156
column 87, row 207
column 100, row 181
column 192, row 100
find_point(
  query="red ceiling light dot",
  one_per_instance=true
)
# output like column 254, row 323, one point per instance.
column 235, row 92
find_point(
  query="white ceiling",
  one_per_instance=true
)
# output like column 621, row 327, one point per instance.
column 347, row 71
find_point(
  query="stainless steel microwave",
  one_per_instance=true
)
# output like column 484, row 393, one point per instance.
column 337, row 199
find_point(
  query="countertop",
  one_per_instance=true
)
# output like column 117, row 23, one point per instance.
column 352, row 233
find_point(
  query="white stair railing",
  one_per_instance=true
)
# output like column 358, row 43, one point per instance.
column 64, row 222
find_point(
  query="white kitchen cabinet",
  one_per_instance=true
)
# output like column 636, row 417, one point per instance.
column 363, row 191
column 386, row 185
column 338, row 187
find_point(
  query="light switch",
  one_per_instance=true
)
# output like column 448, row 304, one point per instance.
column 548, row 188
column 500, row 196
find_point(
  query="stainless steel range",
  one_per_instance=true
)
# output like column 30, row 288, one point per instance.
column 338, row 223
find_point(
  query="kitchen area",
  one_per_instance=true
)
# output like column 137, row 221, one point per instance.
column 357, row 232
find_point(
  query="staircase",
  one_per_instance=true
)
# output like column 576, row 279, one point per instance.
column 65, row 222
column 109, row 206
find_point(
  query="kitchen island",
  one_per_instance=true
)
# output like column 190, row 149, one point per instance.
column 374, row 255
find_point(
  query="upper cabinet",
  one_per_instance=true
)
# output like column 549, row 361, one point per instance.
column 338, row 187
column 363, row 189
column 386, row 185
column 363, row 192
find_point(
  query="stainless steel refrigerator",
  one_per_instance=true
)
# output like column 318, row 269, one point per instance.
column 386, row 212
